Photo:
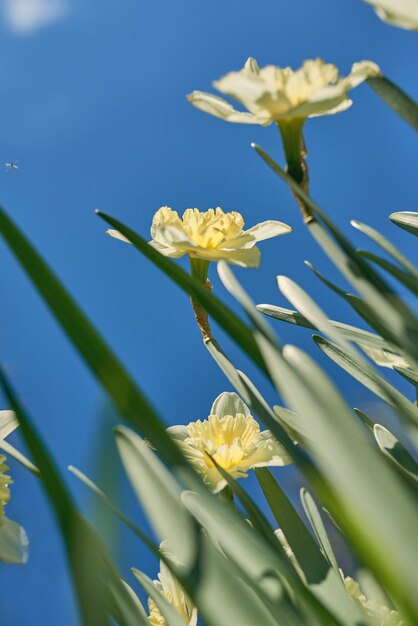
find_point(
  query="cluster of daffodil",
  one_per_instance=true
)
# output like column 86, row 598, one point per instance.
column 230, row 439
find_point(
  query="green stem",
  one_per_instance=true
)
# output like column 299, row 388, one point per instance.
column 291, row 132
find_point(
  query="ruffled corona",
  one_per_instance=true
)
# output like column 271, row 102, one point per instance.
column 275, row 94
column 211, row 235
column 230, row 438
column 379, row 615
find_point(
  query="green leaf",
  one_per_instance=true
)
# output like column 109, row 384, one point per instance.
column 387, row 246
column 410, row 282
column 159, row 494
column 408, row 220
column 14, row 542
column 395, row 98
column 79, row 539
column 378, row 533
column 232, row 324
column 351, row 333
column 365, row 419
column 396, row 452
column 108, row 502
column 367, row 377
column 315, row 520
column 408, row 374
column 127, row 397
column 324, row 582
column 252, row 558
column 224, row 596
column 389, row 309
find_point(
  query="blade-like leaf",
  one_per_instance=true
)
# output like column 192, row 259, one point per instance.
column 159, row 494
column 408, row 220
column 368, row 378
column 389, row 309
column 395, row 98
column 351, row 333
column 224, row 316
column 386, row 245
column 396, row 452
column 409, row 281
column 360, row 490
column 128, row 399
column 324, row 581
column 78, row 537
column 107, row 501
column 315, row 520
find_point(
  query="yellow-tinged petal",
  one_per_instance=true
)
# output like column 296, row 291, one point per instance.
column 272, row 94
column 402, row 13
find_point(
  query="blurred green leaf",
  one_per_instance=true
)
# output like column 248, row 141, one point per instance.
column 315, row 520
column 396, row 452
column 381, row 535
column 367, row 377
column 395, row 98
column 80, row 542
column 408, row 220
column 324, row 582
column 128, row 399
column 159, row 494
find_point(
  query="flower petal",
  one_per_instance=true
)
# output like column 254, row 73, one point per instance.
column 360, row 72
column 219, row 107
column 229, row 403
column 117, row 235
column 268, row 229
column 269, row 452
column 179, row 433
column 8, row 423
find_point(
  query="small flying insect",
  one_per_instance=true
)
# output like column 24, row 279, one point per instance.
column 13, row 165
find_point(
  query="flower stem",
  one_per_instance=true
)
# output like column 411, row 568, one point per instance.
column 199, row 269
column 295, row 152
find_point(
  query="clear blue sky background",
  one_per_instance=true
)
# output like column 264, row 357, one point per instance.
column 93, row 106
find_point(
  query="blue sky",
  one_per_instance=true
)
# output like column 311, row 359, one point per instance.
column 93, row 107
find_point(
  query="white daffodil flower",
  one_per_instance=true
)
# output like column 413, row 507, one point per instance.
column 8, row 423
column 275, row 94
column 175, row 595
column 209, row 235
column 379, row 615
column 403, row 13
column 232, row 438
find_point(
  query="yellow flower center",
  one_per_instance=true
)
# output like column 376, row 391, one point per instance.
column 226, row 439
column 4, row 486
column 208, row 229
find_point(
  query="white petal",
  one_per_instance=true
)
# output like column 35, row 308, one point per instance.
column 117, row 235
column 361, row 71
column 229, row 403
column 180, row 433
column 219, row 107
column 269, row 452
column 246, row 257
column 8, row 423
column 266, row 230
column 170, row 251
